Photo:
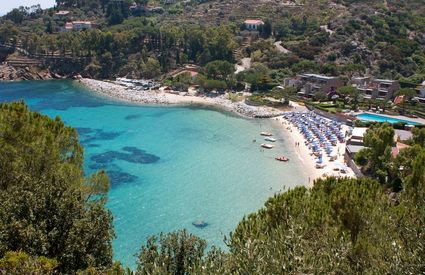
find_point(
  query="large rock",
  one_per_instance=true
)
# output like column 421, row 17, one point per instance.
column 199, row 224
column 10, row 73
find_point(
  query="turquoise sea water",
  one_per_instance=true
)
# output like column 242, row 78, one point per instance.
column 378, row 118
column 168, row 166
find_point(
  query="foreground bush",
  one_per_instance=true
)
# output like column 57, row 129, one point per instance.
column 47, row 207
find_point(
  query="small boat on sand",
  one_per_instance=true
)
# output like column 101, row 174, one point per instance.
column 270, row 139
column 281, row 158
column 266, row 134
column 267, row 146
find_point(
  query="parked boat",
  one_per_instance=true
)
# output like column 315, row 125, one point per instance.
column 266, row 134
column 282, row 158
column 267, row 146
column 270, row 139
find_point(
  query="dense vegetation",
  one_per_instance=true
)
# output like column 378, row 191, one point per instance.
column 348, row 37
column 47, row 207
column 52, row 219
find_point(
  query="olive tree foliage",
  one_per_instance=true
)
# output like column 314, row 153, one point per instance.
column 22, row 263
column 419, row 136
column 336, row 227
column 174, row 253
column 376, row 158
column 410, row 218
column 47, row 207
column 344, row 226
column 340, row 226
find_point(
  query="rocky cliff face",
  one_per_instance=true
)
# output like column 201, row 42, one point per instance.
column 9, row 73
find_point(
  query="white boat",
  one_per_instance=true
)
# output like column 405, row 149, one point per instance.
column 266, row 134
column 267, row 146
column 270, row 139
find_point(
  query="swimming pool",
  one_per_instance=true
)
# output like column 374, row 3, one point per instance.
column 379, row 118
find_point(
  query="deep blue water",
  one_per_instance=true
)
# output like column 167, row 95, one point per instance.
column 168, row 166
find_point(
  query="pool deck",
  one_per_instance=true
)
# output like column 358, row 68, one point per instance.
column 417, row 120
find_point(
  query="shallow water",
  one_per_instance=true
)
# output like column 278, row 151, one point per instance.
column 169, row 166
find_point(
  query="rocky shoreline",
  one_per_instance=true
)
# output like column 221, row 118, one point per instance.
column 11, row 73
column 160, row 97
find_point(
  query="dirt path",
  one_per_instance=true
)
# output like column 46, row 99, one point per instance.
column 280, row 48
column 245, row 64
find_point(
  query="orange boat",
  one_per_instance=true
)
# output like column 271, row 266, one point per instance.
column 282, row 158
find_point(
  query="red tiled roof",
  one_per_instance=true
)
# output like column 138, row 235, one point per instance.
column 254, row 21
column 396, row 149
column 399, row 99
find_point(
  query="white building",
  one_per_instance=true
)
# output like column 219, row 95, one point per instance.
column 81, row 25
column 78, row 26
column 62, row 14
column 253, row 24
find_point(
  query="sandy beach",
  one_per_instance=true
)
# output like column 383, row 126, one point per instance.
column 161, row 97
column 305, row 156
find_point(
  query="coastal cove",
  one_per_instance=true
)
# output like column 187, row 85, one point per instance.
column 169, row 166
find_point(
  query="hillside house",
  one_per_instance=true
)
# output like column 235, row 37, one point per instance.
column 372, row 88
column 78, row 26
column 253, row 24
column 313, row 83
column 61, row 14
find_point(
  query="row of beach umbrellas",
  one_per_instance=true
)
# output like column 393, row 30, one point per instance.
column 321, row 134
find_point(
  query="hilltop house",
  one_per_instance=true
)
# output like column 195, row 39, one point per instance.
column 253, row 24
column 77, row 26
column 309, row 84
column 372, row 88
column 61, row 14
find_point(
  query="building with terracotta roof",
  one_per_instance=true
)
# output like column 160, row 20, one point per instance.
column 253, row 24
column 397, row 148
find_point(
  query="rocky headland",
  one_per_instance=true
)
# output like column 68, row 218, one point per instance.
column 12, row 73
